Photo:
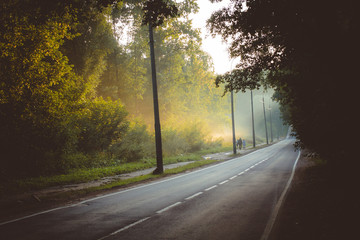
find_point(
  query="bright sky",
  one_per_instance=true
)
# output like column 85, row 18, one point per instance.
column 214, row 46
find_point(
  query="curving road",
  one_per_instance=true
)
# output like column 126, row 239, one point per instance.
column 230, row 200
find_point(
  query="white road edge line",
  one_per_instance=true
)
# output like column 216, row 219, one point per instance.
column 275, row 212
column 168, row 207
column 211, row 188
column 233, row 177
column 124, row 228
column 194, row 195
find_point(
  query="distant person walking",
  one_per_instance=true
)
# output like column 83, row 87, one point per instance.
column 243, row 144
column 239, row 143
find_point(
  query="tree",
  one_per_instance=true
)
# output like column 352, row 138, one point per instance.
column 45, row 88
column 304, row 49
column 184, row 72
column 37, row 88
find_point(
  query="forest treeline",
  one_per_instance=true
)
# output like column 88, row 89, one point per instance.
column 306, row 51
column 75, row 87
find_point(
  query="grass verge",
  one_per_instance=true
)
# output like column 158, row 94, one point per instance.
column 121, row 183
column 28, row 205
column 86, row 175
column 13, row 205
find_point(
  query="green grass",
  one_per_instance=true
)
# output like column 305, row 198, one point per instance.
column 120, row 183
column 80, row 175
column 215, row 150
column 189, row 166
column 86, row 175
column 167, row 172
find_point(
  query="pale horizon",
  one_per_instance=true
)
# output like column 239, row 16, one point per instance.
column 215, row 47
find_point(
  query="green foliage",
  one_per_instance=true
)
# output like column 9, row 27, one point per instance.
column 213, row 144
column 194, row 136
column 135, row 145
column 305, row 50
column 119, row 183
column 173, row 143
column 88, row 51
column 78, row 176
column 47, row 120
column 189, row 138
column 190, row 166
column 101, row 123
column 139, row 144
column 125, row 77
column 37, row 89
column 59, row 60
column 86, row 175
column 184, row 72
column 155, row 12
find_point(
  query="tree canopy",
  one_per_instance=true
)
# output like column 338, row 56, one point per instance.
column 305, row 50
column 72, row 90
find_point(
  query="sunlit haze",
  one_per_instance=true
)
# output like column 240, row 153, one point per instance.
column 216, row 47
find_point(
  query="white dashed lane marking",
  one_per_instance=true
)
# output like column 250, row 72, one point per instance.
column 167, row 208
column 188, row 198
column 124, row 228
column 195, row 195
column 212, row 187
column 223, row 182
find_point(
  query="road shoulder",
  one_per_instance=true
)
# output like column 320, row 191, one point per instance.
column 315, row 207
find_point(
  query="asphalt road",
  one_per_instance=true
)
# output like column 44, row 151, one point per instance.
column 230, row 200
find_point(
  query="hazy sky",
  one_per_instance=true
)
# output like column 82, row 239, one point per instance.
column 214, row 46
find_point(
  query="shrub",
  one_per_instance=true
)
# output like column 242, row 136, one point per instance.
column 194, row 135
column 135, row 145
column 101, row 123
column 173, row 142
column 214, row 143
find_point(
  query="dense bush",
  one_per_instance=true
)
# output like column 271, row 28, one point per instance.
column 214, row 143
column 100, row 123
column 173, row 142
column 194, row 135
column 191, row 137
column 136, row 144
column 89, row 134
